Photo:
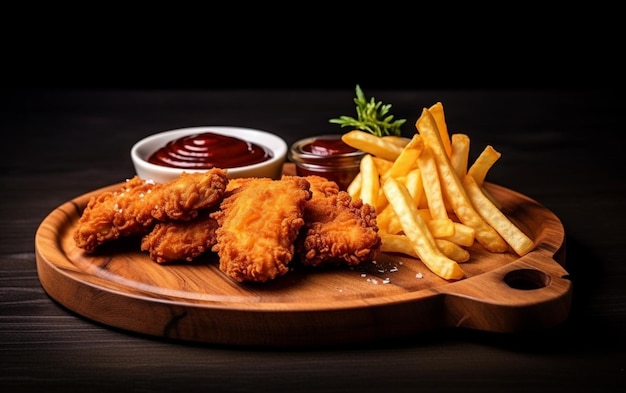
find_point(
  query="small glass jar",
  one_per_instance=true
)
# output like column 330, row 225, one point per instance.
column 327, row 156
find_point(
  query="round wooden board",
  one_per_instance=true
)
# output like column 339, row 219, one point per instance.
column 394, row 296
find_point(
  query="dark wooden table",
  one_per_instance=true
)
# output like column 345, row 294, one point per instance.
column 559, row 147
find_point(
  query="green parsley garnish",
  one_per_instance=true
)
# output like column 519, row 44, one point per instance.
column 372, row 117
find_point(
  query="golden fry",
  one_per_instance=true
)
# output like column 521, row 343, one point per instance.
column 407, row 160
column 413, row 183
column 453, row 189
column 483, row 163
column 431, row 184
column 372, row 144
column 397, row 243
column 370, row 183
column 395, row 226
column 441, row 227
column 517, row 239
column 384, row 219
column 440, row 119
column 430, row 203
column 381, row 200
column 382, row 165
column 396, row 140
column 463, row 235
column 354, row 188
column 416, row 230
column 453, row 251
column 402, row 244
column 460, row 153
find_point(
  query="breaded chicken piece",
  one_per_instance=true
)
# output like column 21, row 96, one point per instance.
column 238, row 181
column 258, row 223
column 181, row 240
column 181, row 198
column 139, row 204
column 110, row 215
column 338, row 230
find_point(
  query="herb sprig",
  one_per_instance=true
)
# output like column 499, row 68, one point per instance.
column 372, row 117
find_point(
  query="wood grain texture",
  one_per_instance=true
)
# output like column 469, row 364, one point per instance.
column 121, row 287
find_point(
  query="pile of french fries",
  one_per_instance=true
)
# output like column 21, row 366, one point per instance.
column 430, row 203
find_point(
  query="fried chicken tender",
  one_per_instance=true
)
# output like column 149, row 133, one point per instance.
column 338, row 230
column 181, row 198
column 258, row 223
column 139, row 204
column 237, row 182
column 181, row 240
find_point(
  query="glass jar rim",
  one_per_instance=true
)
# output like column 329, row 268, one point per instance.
column 296, row 153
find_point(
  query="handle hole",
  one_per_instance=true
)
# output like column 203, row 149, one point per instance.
column 526, row 279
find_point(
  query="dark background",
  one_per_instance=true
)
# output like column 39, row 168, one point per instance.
column 314, row 45
column 559, row 147
column 80, row 84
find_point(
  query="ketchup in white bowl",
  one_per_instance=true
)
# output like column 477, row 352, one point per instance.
column 209, row 150
column 242, row 152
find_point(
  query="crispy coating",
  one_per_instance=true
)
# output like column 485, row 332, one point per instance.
column 258, row 224
column 180, row 240
column 181, row 198
column 236, row 182
column 337, row 230
column 139, row 204
column 112, row 214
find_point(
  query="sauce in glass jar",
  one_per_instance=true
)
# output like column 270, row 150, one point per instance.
column 209, row 150
column 327, row 156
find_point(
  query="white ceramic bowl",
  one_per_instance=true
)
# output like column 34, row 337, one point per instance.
column 272, row 167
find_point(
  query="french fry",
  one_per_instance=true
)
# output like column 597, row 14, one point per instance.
column 425, row 213
column 491, row 198
column 397, row 243
column 384, row 220
column 381, row 200
column 517, row 239
column 396, row 140
column 413, row 183
column 431, row 184
column 438, row 114
column 453, row 189
column 354, row 188
column 370, row 184
column 382, row 165
column 407, row 160
column 453, row 251
column 460, row 153
column 440, row 227
column 416, row 230
column 402, row 244
column 372, row 144
column 430, row 205
column 483, row 163
column 463, row 235
column 394, row 224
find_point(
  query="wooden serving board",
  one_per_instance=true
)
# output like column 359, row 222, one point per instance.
column 395, row 296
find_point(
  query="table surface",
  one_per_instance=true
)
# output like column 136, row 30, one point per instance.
column 558, row 147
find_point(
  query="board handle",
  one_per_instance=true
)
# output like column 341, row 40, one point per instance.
column 530, row 294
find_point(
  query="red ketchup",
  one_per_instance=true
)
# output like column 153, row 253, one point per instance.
column 209, row 150
column 327, row 147
column 327, row 156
